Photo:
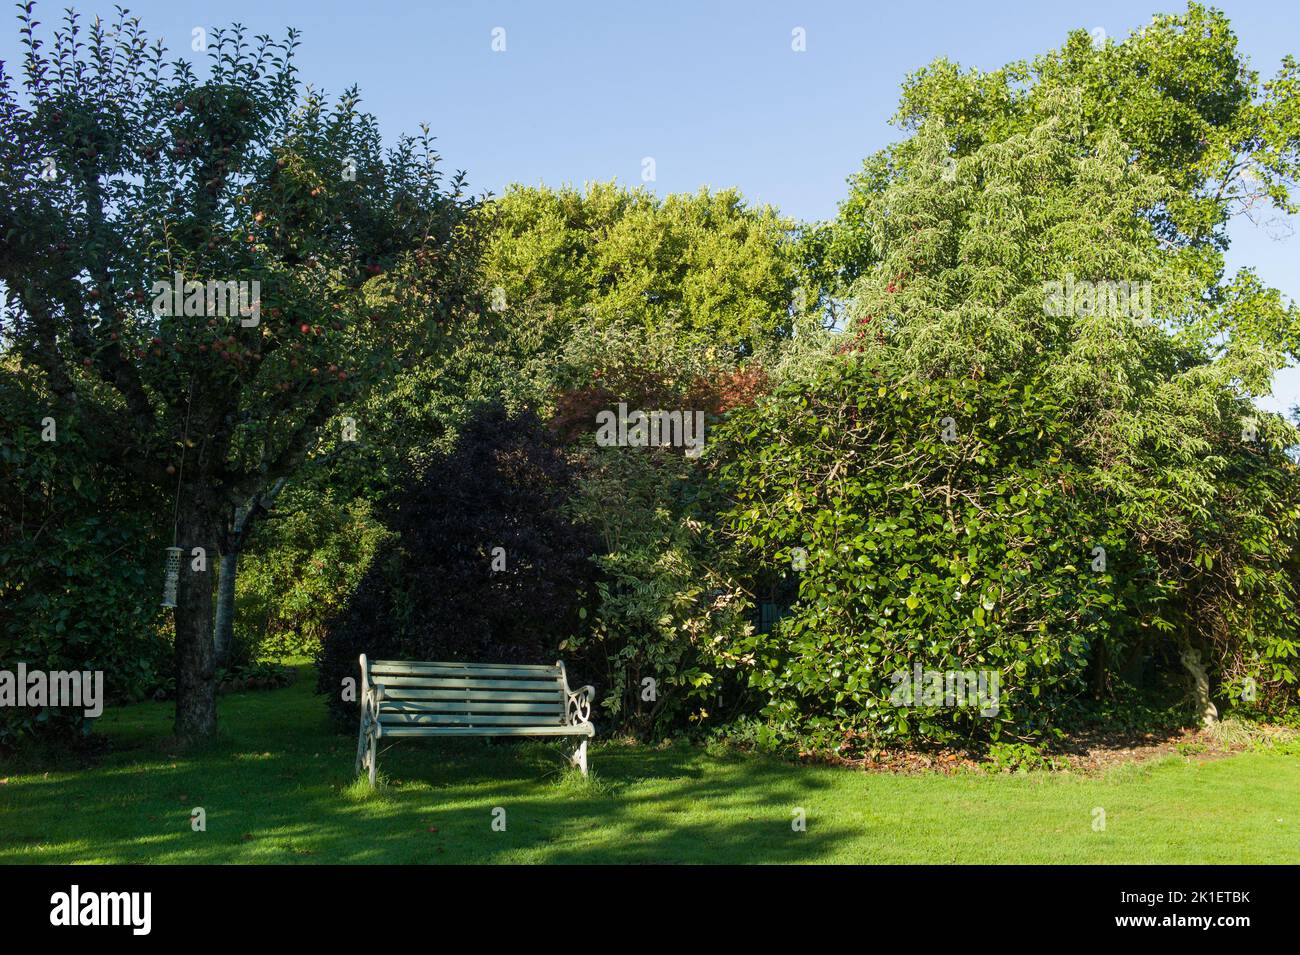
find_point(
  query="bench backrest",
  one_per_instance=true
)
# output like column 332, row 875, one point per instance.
column 469, row 694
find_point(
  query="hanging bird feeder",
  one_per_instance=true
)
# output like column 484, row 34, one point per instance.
column 174, row 552
column 173, row 575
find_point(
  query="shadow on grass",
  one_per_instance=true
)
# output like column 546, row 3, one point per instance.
column 278, row 793
column 641, row 805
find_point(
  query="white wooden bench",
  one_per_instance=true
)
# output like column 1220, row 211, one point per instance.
column 400, row 698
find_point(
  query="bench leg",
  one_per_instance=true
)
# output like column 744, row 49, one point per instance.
column 579, row 757
column 361, row 746
column 372, row 757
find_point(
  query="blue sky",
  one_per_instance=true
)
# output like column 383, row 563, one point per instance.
column 711, row 90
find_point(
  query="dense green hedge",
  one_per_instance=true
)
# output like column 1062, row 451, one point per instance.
column 967, row 554
column 80, row 570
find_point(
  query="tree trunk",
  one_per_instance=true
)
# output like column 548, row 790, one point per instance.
column 196, row 700
column 223, row 634
column 1200, row 687
column 239, row 525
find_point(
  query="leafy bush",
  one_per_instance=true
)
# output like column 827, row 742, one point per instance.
column 304, row 562
column 665, row 596
column 80, row 571
column 1021, row 757
column 432, row 592
column 664, row 600
column 969, row 554
column 1011, row 547
column 262, row 675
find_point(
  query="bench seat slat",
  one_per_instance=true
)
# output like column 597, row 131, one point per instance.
column 498, row 668
column 473, row 696
column 446, row 683
column 472, row 719
column 582, row 729
column 496, row 673
column 525, row 683
column 457, row 663
column 481, row 706
column 407, row 693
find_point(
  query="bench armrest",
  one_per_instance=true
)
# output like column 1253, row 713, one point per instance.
column 372, row 693
column 578, row 709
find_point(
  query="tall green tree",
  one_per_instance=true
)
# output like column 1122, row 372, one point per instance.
column 1062, row 223
column 709, row 262
column 123, row 174
column 1181, row 101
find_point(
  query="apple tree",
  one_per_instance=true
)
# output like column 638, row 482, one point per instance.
column 209, row 262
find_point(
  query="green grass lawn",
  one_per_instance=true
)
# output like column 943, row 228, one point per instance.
column 279, row 788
